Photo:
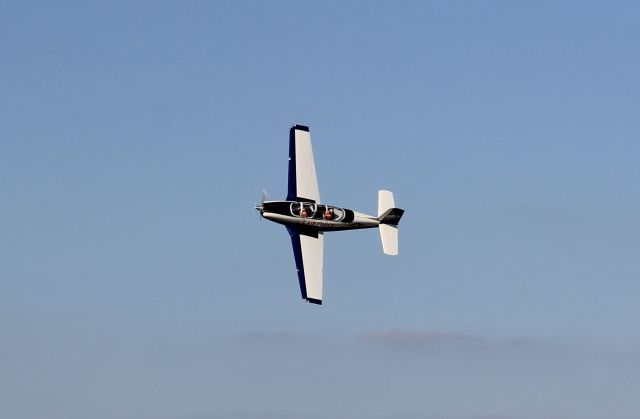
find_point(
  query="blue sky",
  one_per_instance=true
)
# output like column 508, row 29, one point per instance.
column 136, row 280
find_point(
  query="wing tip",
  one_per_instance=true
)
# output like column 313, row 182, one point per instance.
column 300, row 128
column 314, row 301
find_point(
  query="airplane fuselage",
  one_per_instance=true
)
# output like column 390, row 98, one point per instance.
column 318, row 217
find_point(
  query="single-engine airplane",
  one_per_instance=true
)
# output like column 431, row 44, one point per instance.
column 306, row 219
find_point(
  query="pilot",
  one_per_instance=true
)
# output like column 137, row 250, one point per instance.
column 303, row 212
column 328, row 215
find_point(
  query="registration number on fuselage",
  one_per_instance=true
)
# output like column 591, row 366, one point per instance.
column 315, row 223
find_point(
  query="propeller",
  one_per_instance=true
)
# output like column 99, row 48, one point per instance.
column 263, row 197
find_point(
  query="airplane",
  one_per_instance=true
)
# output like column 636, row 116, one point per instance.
column 307, row 219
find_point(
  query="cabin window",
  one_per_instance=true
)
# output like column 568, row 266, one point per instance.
column 339, row 214
column 330, row 213
column 320, row 212
column 303, row 209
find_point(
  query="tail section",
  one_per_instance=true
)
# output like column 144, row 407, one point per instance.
column 389, row 237
column 389, row 217
column 385, row 201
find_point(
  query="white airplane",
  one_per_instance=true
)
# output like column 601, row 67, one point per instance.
column 307, row 219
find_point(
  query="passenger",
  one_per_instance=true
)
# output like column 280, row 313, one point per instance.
column 328, row 215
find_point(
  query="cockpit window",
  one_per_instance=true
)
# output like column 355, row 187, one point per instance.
column 303, row 209
column 332, row 213
column 319, row 212
column 295, row 209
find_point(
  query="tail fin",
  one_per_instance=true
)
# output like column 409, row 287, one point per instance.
column 389, row 217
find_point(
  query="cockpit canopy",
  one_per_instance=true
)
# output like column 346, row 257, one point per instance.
column 318, row 212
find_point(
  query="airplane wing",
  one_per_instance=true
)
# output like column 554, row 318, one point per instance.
column 303, row 183
column 308, row 249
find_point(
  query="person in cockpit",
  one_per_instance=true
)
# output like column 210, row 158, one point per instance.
column 329, row 215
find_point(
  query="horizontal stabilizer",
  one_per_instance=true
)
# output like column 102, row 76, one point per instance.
column 389, row 217
column 389, row 237
column 385, row 201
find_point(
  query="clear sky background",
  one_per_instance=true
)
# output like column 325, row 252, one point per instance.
column 137, row 281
